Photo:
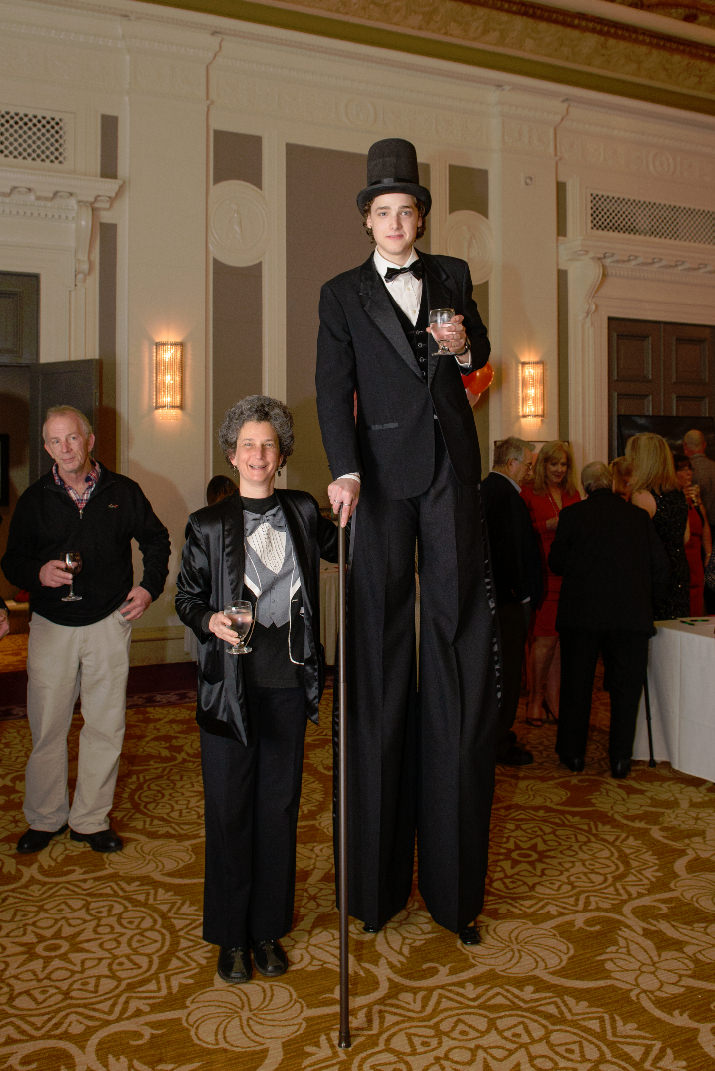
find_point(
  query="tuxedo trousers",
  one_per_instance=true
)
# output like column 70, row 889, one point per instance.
column 251, row 803
column 625, row 660
column 420, row 758
column 514, row 619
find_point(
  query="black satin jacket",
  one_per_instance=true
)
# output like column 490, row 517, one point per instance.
column 211, row 576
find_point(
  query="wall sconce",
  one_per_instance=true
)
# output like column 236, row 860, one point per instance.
column 531, row 389
column 168, row 375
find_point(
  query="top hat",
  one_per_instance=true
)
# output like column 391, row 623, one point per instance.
column 392, row 168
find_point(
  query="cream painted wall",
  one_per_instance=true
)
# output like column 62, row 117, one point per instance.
column 173, row 76
column 164, row 264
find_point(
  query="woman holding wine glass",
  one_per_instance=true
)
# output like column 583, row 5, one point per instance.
column 261, row 547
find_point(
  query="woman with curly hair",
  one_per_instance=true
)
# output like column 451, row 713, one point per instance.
column 654, row 487
column 553, row 488
column 263, row 546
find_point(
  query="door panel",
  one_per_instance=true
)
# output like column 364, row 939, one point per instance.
column 688, row 369
column 59, row 383
column 633, row 359
column 19, row 318
column 659, row 369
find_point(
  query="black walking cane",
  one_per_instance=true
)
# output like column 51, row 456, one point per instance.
column 344, row 1036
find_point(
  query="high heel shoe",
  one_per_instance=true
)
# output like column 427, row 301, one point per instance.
column 534, row 722
column 550, row 716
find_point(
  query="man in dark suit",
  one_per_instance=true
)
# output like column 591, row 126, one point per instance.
column 407, row 447
column 612, row 564
column 516, row 565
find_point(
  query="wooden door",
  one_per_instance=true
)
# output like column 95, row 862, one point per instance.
column 19, row 318
column 659, row 369
column 59, row 383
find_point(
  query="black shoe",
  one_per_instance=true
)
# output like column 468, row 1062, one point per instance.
column 104, row 840
column 515, row 756
column 270, row 958
column 368, row 927
column 575, row 763
column 34, row 840
column 234, row 965
column 621, row 767
column 470, row 935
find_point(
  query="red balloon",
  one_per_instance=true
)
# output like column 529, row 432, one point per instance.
column 477, row 382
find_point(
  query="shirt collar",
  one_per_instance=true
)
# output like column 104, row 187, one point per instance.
column 382, row 265
column 90, row 479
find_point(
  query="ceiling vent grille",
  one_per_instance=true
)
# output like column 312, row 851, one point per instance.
column 651, row 219
column 33, row 137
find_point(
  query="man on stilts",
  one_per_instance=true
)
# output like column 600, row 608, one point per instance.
column 419, row 760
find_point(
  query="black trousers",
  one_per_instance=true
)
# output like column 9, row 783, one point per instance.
column 625, row 660
column 420, row 760
column 252, row 797
column 514, row 618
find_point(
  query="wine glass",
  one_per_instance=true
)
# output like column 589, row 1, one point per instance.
column 439, row 319
column 73, row 563
column 241, row 614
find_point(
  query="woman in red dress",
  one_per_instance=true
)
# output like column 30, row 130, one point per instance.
column 699, row 546
column 553, row 488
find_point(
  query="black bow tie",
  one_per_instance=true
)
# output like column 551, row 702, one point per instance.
column 416, row 268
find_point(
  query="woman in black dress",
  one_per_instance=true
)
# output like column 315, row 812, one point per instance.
column 654, row 488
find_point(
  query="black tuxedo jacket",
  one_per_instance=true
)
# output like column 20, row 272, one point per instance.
column 211, row 576
column 514, row 545
column 612, row 563
column 362, row 348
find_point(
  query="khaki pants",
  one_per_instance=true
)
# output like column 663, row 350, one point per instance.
column 63, row 661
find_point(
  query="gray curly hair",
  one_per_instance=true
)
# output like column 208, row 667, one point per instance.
column 259, row 408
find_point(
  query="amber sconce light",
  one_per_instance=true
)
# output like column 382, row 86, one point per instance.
column 531, row 389
column 168, row 376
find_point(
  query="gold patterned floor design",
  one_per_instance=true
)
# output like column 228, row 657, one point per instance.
column 598, row 932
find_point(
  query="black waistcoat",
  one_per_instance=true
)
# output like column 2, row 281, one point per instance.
column 416, row 333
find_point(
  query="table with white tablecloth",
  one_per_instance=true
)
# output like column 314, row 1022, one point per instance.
column 681, row 687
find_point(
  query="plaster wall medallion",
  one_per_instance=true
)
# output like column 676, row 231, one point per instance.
column 238, row 223
column 469, row 236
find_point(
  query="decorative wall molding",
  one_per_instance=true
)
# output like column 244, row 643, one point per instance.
column 469, row 236
column 637, row 258
column 170, row 63
column 625, row 151
column 48, row 191
column 238, row 223
column 533, row 37
column 61, row 57
column 323, row 95
column 58, row 197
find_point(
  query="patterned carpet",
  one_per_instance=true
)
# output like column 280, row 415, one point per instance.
column 598, row 933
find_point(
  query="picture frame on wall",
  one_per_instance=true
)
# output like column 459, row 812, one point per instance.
column 671, row 428
column 4, row 469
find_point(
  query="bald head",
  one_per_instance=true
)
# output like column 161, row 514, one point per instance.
column 693, row 442
column 596, row 477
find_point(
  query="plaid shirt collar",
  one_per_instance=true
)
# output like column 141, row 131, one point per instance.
column 80, row 500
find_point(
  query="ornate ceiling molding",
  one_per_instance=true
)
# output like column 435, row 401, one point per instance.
column 595, row 44
column 649, row 50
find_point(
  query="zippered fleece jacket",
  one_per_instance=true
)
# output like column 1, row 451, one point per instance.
column 47, row 523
